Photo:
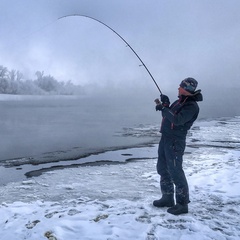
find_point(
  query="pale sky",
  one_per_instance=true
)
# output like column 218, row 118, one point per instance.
column 174, row 38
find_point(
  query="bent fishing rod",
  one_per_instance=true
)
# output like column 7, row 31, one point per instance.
column 143, row 64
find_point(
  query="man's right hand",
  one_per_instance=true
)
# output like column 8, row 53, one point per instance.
column 165, row 100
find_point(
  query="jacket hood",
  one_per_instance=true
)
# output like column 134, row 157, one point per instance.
column 197, row 96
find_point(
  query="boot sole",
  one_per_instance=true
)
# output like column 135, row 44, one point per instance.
column 162, row 206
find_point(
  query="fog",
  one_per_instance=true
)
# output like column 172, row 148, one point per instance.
column 175, row 39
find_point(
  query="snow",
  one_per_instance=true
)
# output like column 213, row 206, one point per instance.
column 114, row 200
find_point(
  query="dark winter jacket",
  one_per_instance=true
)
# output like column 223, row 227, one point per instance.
column 179, row 117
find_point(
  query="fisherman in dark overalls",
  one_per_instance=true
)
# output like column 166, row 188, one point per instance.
column 177, row 119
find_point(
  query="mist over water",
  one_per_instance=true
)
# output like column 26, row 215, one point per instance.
column 33, row 125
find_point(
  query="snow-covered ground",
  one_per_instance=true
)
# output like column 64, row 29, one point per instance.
column 114, row 200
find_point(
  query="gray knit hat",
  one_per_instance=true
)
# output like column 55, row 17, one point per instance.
column 189, row 84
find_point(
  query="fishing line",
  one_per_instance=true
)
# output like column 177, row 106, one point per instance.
column 143, row 64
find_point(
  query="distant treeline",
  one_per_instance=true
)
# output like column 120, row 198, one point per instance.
column 13, row 82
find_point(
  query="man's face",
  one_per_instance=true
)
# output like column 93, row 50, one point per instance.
column 183, row 92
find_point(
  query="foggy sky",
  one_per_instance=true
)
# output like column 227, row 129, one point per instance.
column 174, row 38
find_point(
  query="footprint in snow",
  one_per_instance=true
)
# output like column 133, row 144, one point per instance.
column 31, row 225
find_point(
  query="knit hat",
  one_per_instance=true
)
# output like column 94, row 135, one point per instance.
column 189, row 84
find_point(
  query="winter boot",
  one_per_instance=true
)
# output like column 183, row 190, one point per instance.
column 167, row 200
column 178, row 209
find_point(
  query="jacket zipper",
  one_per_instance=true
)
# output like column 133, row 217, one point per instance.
column 172, row 125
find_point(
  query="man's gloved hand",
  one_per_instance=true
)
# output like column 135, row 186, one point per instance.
column 165, row 100
column 159, row 106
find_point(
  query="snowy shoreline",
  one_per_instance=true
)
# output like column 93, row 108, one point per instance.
column 114, row 201
column 17, row 170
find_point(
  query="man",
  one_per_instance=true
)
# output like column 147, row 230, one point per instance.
column 177, row 119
